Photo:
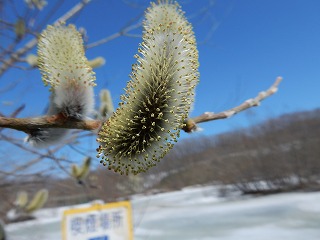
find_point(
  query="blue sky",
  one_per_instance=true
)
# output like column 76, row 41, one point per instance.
column 243, row 46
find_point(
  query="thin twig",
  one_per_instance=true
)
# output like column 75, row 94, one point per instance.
column 34, row 150
column 17, row 111
column 123, row 32
column 191, row 123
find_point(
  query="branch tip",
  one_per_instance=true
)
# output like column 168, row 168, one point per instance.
column 252, row 102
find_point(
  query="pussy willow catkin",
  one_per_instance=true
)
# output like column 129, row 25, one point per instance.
column 61, row 56
column 158, row 97
column 66, row 69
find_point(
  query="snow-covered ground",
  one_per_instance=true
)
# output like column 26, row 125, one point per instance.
column 198, row 214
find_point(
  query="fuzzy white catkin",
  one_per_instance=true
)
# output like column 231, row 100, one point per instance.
column 158, row 97
column 65, row 68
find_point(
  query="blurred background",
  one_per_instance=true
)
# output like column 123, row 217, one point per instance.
column 243, row 46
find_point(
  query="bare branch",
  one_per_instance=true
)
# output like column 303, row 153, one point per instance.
column 77, row 8
column 191, row 123
column 124, row 32
column 49, row 153
column 60, row 121
column 54, row 121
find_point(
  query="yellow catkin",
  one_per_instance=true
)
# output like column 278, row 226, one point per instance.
column 85, row 169
column 97, row 62
column 38, row 201
column 75, row 171
column 158, row 97
column 22, row 199
column 106, row 104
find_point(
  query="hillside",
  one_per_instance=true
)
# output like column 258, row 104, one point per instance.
column 277, row 155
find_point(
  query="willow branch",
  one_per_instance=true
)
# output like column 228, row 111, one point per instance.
column 55, row 121
column 191, row 123
column 59, row 121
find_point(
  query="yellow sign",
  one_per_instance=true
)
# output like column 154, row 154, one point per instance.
column 111, row 221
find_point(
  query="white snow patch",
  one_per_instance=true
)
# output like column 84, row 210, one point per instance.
column 199, row 214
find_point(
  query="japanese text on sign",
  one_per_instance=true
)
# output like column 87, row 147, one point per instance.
column 111, row 221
